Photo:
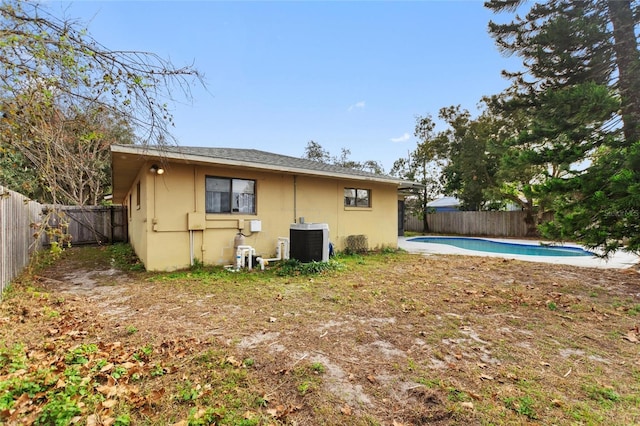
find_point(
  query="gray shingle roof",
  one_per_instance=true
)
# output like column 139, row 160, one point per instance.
column 127, row 160
column 268, row 158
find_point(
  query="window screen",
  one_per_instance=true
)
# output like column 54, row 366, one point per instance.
column 228, row 195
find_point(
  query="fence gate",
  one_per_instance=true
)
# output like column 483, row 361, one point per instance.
column 92, row 224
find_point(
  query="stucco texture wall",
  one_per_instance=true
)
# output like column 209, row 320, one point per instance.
column 159, row 230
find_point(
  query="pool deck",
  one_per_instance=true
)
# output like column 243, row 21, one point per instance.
column 619, row 260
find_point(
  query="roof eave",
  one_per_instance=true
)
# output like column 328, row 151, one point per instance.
column 155, row 153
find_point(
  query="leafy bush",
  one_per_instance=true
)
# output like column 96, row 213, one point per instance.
column 294, row 267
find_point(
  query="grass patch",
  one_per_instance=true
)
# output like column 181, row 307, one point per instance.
column 124, row 258
column 603, row 395
column 523, row 405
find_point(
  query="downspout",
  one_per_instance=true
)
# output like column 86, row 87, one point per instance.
column 295, row 196
column 191, row 246
column 154, row 220
column 195, row 189
column 195, row 209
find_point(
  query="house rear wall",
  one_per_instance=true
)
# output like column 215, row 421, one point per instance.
column 160, row 229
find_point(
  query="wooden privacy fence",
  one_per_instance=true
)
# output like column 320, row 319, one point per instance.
column 91, row 224
column 492, row 223
column 21, row 219
column 18, row 215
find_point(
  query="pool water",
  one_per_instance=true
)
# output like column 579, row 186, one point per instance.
column 479, row 244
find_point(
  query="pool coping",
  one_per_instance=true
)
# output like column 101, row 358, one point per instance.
column 619, row 260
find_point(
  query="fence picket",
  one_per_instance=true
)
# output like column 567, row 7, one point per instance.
column 19, row 217
column 490, row 223
column 17, row 242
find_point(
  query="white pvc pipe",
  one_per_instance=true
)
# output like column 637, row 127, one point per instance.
column 191, row 246
column 282, row 252
column 240, row 254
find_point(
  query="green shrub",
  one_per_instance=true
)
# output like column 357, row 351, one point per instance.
column 294, row 267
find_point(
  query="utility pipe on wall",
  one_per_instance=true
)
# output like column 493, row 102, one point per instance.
column 191, row 246
column 240, row 254
column 295, row 196
column 282, row 252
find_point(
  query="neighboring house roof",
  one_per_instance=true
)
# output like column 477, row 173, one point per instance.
column 127, row 159
column 444, row 202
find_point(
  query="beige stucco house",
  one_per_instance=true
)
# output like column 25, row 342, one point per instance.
column 187, row 204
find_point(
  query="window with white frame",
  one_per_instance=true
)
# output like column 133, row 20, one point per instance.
column 357, row 197
column 229, row 195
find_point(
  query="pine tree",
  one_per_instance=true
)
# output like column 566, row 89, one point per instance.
column 580, row 80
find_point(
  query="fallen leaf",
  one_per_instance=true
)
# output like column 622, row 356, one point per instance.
column 107, row 391
column 106, row 368
column 155, row 396
column 631, row 336
column 109, row 403
column 233, row 361
column 556, row 403
column 486, row 377
column 474, row 396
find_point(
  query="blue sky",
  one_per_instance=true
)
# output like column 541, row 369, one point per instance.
column 349, row 75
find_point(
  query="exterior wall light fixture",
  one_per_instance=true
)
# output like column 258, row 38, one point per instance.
column 156, row 169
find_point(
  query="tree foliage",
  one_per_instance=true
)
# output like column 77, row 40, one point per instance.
column 471, row 165
column 423, row 166
column 601, row 209
column 64, row 156
column 580, row 78
column 60, row 90
column 314, row 151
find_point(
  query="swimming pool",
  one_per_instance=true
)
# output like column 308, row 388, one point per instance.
column 479, row 244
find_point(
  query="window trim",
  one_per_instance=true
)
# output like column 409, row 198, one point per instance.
column 356, row 206
column 231, row 180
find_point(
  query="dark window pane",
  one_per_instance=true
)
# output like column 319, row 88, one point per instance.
column 224, row 195
column 217, row 195
column 349, row 197
column 363, row 198
column 243, row 197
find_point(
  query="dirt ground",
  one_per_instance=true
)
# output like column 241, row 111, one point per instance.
column 402, row 339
